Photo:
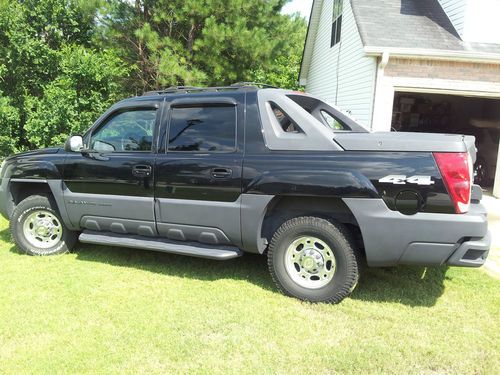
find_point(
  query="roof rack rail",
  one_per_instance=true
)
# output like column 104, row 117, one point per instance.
column 188, row 89
column 172, row 89
column 256, row 84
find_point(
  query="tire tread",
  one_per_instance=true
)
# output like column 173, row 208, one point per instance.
column 341, row 233
column 42, row 200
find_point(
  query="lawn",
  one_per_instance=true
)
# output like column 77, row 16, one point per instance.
column 110, row 310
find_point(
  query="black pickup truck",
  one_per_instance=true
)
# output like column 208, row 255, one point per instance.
column 217, row 172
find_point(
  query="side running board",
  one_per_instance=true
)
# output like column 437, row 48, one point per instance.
column 219, row 252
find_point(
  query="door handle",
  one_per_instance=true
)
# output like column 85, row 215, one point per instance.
column 221, row 172
column 141, row 170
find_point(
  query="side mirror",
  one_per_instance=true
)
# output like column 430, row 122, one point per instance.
column 74, row 143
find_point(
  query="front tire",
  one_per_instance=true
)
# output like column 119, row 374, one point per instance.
column 314, row 260
column 37, row 228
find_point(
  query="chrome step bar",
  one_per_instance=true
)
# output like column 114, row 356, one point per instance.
column 195, row 249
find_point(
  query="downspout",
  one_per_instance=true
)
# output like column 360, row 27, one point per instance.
column 384, row 60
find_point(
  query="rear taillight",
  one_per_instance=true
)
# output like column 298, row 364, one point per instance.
column 456, row 173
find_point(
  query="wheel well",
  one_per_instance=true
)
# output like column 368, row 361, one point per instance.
column 281, row 209
column 22, row 190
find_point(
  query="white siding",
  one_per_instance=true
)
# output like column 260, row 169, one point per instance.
column 352, row 70
column 455, row 10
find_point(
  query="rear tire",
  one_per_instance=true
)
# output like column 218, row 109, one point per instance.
column 37, row 229
column 314, row 260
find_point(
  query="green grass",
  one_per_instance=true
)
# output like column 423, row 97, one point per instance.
column 109, row 310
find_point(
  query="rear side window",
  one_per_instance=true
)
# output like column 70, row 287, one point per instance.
column 204, row 128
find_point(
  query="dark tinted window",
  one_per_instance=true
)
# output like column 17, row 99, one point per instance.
column 126, row 131
column 210, row 129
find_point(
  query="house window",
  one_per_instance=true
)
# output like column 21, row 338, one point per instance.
column 336, row 22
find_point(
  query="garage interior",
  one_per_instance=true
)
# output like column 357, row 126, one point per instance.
column 442, row 113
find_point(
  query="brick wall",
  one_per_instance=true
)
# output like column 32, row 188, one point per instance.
column 455, row 70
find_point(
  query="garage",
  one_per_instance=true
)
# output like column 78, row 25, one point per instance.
column 444, row 113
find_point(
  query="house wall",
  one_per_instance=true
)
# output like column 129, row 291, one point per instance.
column 453, row 70
column 342, row 74
column 455, row 10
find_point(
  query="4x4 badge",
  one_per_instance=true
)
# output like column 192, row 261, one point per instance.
column 397, row 179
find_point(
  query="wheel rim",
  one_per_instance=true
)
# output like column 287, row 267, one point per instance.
column 42, row 229
column 310, row 262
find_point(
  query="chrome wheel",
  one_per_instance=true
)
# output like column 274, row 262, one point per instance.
column 42, row 229
column 310, row 262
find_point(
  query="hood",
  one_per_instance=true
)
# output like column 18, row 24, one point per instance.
column 405, row 141
column 42, row 151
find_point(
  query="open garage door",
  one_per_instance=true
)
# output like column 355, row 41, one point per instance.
column 440, row 113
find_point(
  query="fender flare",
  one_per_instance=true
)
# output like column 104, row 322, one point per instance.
column 32, row 171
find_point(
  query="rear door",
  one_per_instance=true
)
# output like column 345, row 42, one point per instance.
column 198, row 172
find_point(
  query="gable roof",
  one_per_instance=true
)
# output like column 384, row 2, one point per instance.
column 420, row 24
column 417, row 28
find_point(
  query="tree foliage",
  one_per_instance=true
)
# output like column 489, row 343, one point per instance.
column 200, row 42
column 63, row 62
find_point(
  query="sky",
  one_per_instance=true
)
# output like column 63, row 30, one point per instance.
column 301, row 6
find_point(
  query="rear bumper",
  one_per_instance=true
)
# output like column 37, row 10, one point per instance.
column 472, row 253
column 426, row 239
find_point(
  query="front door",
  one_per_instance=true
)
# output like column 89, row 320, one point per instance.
column 198, row 176
column 112, row 189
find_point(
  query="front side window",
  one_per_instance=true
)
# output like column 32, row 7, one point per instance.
column 336, row 22
column 202, row 129
column 126, row 131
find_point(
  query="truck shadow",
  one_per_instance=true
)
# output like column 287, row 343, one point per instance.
column 412, row 286
column 408, row 285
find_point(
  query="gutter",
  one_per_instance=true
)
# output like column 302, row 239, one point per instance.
column 434, row 54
